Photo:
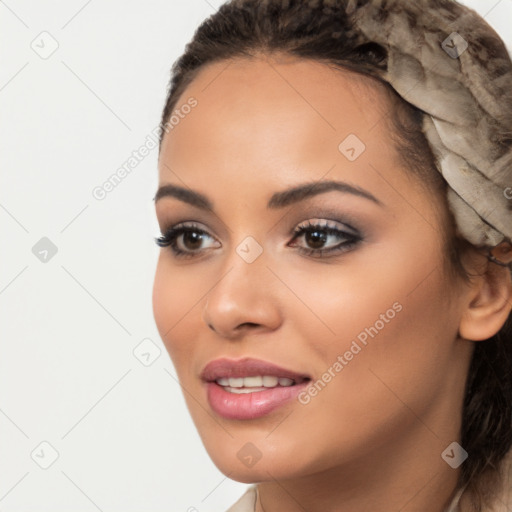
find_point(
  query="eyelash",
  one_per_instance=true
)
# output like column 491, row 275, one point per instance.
column 169, row 238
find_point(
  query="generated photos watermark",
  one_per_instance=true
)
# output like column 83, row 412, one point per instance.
column 100, row 192
column 357, row 345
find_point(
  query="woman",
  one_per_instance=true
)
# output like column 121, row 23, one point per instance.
column 334, row 284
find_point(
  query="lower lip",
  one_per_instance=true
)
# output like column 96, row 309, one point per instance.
column 248, row 406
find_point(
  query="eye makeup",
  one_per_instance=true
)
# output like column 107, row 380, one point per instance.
column 186, row 238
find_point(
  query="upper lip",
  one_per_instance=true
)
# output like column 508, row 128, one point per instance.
column 246, row 367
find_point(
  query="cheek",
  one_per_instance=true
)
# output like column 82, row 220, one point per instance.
column 393, row 326
column 396, row 348
column 176, row 296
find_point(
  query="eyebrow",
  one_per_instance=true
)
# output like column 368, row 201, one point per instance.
column 278, row 200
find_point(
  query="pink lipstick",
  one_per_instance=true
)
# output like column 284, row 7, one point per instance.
column 249, row 388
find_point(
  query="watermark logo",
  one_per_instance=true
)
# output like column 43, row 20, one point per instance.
column 45, row 45
column 179, row 114
column 100, row 192
column 361, row 341
column 44, row 455
column 147, row 352
column 44, row 250
column 454, row 45
column 249, row 454
column 454, row 455
column 352, row 147
column 249, row 249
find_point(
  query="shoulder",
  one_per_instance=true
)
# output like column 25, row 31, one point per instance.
column 247, row 502
column 500, row 496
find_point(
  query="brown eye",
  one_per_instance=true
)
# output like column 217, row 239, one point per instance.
column 186, row 240
column 192, row 240
column 318, row 238
column 315, row 239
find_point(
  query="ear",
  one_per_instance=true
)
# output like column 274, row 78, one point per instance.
column 489, row 302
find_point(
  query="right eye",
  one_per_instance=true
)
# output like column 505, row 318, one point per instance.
column 185, row 240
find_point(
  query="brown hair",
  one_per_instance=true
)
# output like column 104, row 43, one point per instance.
column 322, row 31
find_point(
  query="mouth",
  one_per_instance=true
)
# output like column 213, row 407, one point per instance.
column 249, row 388
column 256, row 383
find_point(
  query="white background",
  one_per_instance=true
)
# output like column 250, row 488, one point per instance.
column 68, row 375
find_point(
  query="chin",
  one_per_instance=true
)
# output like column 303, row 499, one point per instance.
column 233, row 459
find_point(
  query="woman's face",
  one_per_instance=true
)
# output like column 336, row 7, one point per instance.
column 372, row 321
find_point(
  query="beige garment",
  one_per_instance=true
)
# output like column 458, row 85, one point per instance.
column 247, row 502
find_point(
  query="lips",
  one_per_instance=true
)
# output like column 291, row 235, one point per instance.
column 247, row 367
column 234, row 387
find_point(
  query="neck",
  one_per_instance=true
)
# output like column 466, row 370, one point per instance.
column 408, row 475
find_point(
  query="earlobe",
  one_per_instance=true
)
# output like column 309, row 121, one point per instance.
column 489, row 305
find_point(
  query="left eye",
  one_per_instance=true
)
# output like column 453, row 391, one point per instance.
column 317, row 237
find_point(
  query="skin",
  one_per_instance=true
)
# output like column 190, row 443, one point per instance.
column 373, row 437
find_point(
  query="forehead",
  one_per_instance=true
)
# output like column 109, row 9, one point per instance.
column 262, row 126
column 265, row 124
column 278, row 102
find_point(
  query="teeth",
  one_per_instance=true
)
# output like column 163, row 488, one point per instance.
column 269, row 381
column 253, row 382
column 236, row 382
column 256, row 381
column 239, row 391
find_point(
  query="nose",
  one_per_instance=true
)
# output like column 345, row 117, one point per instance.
column 243, row 300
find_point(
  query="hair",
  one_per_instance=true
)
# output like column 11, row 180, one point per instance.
column 322, row 31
